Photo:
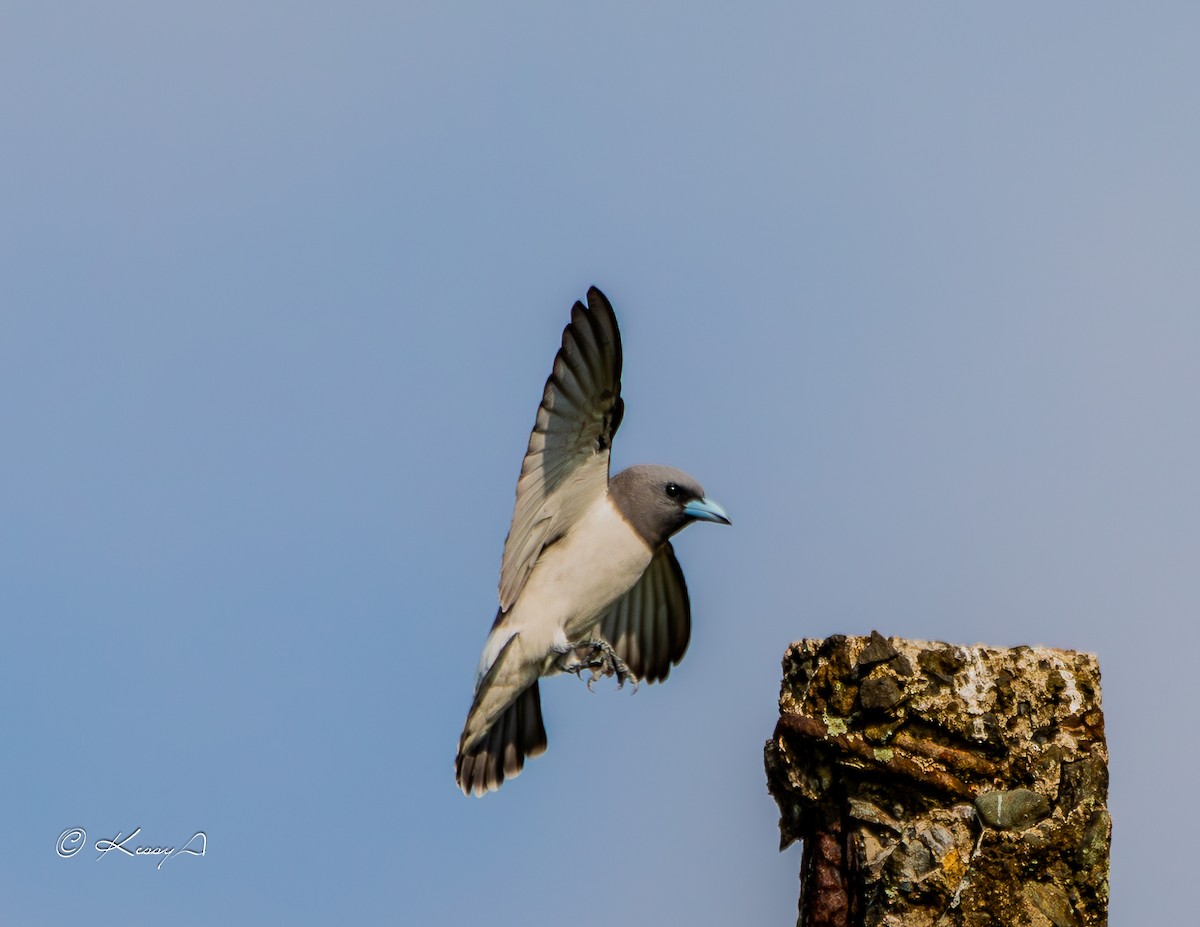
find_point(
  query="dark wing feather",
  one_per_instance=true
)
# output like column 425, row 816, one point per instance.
column 651, row 624
column 566, row 463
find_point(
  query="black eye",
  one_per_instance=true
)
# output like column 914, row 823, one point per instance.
column 672, row 490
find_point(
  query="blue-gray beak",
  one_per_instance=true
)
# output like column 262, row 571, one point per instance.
column 706, row 510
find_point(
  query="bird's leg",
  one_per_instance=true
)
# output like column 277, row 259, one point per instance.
column 600, row 658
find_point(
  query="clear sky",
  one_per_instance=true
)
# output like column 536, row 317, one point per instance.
column 911, row 289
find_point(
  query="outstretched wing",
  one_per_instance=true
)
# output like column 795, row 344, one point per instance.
column 566, row 465
column 651, row 624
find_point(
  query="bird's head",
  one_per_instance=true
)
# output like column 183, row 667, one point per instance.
column 659, row 501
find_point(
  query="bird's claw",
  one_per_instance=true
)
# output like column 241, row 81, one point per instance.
column 602, row 660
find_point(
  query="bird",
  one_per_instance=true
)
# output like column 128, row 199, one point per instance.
column 588, row 579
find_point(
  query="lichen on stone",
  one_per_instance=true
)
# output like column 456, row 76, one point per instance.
column 938, row 784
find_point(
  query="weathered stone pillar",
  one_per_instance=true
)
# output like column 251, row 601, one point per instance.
column 934, row 784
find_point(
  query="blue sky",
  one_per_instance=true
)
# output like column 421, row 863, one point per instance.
column 911, row 290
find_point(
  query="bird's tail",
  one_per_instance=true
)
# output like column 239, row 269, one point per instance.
column 486, row 759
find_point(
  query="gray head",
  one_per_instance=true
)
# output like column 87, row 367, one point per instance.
column 658, row 501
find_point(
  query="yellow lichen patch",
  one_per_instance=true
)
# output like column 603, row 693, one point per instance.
column 954, row 867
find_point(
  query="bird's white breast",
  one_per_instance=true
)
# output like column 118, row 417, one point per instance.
column 574, row 582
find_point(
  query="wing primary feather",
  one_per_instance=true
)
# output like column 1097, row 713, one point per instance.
column 683, row 611
column 566, row 460
column 650, row 625
column 603, row 311
column 665, row 627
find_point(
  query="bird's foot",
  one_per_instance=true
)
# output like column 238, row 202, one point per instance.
column 598, row 656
